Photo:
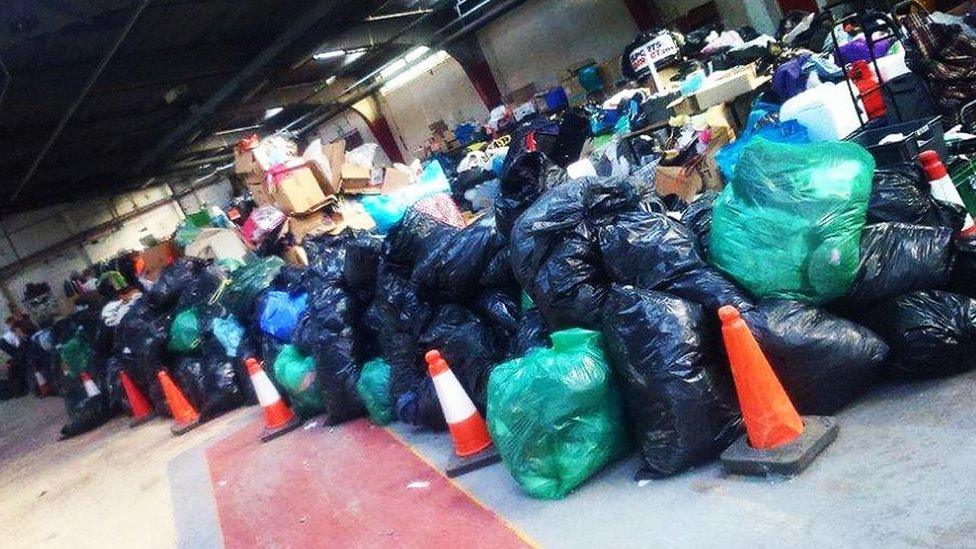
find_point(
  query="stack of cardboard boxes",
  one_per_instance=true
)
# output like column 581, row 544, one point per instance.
column 302, row 187
column 307, row 188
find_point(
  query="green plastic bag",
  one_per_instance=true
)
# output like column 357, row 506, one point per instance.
column 296, row 373
column 556, row 415
column 76, row 354
column 184, row 332
column 373, row 387
column 247, row 282
column 789, row 225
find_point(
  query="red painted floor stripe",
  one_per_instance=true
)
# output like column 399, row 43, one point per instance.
column 344, row 488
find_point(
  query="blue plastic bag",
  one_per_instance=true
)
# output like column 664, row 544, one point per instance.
column 763, row 122
column 229, row 333
column 388, row 210
column 281, row 313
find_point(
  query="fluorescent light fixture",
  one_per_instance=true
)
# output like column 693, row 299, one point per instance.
column 393, row 68
column 351, row 54
column 416, row 53
column 414, row 71
column 238, row 130
column 272, row 112
column 334, row 54
column 421, row 11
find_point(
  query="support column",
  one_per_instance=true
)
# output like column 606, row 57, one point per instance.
column 644, row 13
column 468, row 53
column 369, row 109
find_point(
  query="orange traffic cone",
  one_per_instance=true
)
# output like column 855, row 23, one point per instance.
column 771, row 420
column 185, row 416
column 278, row 417
column 472, row 443
column 43, row 389
column 142, row 411
column 779, row 440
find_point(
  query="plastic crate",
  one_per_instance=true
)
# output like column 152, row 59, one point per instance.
column 920, row 135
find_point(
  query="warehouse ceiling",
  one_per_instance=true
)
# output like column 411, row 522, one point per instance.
column 102, row 96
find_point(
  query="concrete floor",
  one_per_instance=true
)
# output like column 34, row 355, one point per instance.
column 899, row 475
column 107, row 488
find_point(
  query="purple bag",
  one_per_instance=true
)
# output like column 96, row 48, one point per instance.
column 857, row 49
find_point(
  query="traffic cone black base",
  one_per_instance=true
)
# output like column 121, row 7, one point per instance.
column 184, row 428
column 142, row 421
column 458, row 466
column 789, row 459
column 293, row 423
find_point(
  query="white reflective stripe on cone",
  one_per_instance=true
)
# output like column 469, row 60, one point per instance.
column 267, row 394
column 39, row 377
column 455, row 402
column 91, row 389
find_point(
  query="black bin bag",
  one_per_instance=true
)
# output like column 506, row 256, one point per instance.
column 363, row 252
column 823, row 361
column 962, row 280
column 500, row 310
column 419, row 405
column 187, row 274
column 698, row 218
column 898, row 195
column 897, row 259
column 556, row 258
column 327, row 332
column 523, row 182
column 902, row 194
column 416, row 235
column 85, row 413
column 531, row 334
column 651, row 251
column 209, row 383
column 931, row 334
column 676, row 385
column 467, row 343
column 452, row 272
column 140, row 342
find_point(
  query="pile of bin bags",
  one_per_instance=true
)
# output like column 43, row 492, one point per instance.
column 181, row 326
column 81, row 344
column 604, row 255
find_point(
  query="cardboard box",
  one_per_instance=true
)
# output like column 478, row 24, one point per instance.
column 243, row 160
column 326, row 162
column 314, row 224
column 679, row 180
column 357, row 179
column 296, row 191
column 394, row 180
column 217, row 244
column 737, row 82
column 158, row 258
column 704, row 175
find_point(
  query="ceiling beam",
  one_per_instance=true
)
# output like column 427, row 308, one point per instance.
column 302, row 24
column 81, row 97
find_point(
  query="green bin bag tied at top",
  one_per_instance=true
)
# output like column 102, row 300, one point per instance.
column 789, row 224
column 556, row 415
